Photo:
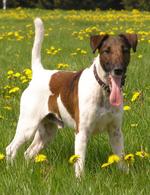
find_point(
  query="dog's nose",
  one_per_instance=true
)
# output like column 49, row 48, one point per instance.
column 118, row 71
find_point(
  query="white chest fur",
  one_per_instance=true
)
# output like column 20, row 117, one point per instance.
column 95, row 110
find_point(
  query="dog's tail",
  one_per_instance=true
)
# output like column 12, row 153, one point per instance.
column 36, row 50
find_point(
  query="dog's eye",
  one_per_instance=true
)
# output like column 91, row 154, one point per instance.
column 106, row 51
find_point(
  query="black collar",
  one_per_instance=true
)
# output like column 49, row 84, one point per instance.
column 100, row 82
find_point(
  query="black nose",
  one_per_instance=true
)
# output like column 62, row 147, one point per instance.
column 118, row 71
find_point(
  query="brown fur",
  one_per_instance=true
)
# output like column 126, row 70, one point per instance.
column 114, row 51
column 65, row 84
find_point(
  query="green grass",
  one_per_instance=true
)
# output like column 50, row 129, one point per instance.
column 57, row 176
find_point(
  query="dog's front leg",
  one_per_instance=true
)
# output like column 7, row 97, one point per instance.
column 116, row 141
column 81, row 139
column 117, row 144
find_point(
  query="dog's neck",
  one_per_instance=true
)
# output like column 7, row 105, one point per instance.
column 101, row 73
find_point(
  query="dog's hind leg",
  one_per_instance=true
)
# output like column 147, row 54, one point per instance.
column 25, row 129
column 29, row 120
column 81, row 140
column 44, row 134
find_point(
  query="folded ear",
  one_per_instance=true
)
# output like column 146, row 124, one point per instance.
column 97, row 40
column 131, row 39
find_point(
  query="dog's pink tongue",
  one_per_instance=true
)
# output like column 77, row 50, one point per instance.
column 115, row 97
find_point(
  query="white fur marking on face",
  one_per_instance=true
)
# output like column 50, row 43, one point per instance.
column 66, row 117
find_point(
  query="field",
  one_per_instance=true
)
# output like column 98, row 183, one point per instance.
column 66, row 46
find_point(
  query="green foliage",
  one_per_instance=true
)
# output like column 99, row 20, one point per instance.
column 69, row 30
column 81, row 4
column 137, row 4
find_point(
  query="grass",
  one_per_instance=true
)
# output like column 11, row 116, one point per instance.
column 70, row 30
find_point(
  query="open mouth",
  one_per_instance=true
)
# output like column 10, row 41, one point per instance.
column 115, row 97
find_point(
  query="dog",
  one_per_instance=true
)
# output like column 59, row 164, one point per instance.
column 89, row 100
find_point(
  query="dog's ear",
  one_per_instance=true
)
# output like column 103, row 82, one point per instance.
column 131, row 39
column 97, row 40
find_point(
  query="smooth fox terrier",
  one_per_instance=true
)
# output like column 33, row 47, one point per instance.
column 89, row 100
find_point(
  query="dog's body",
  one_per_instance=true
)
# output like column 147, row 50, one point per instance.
column 76, row 99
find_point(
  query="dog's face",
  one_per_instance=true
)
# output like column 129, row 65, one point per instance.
column 114, row 56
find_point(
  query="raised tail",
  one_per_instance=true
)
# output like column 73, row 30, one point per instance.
column 36, row 50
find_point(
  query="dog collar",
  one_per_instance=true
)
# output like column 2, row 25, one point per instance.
column 100, row 82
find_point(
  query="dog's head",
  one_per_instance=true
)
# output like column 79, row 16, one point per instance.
column 114, row 58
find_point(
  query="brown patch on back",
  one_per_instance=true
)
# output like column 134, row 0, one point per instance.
column 65, row 84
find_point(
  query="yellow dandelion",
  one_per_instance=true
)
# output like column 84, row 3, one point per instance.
column 126, row 108
column 10, row 72
column 73, row 158
column 14, row 90
column 102, row 33
column 134, row 125
column 10, row 33
column 17, row 74
column 61, row 65
column 105, row 165
column 7, row 87
column 135, row 96
column 142, row 154
column 140, row 56
column 80, row 38
column 7, row 108
column 78, row 49
column 24, row 81
column 83, row 52
column 113, row 158
column 2, row 156
column 40, row 158
column 22, row 78
column 27, row 71
column 129, row 157
column 73, row 54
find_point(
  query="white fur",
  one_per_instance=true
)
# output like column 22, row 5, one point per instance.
column 95, row 115
column 66, row 117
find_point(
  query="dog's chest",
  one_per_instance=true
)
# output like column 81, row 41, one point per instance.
column 104, row 117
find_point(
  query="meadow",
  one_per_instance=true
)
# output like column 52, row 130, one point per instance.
column 66, row 46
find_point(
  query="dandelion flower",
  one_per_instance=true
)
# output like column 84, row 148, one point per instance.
column 73, row 158
column 2, row 156
column 27, row 71
column 135, row 96
column 10, row 72
column 140, row 56
column 83, row 52
column 129, row 158
column 134, row 125
column 7, row 108
column 24, row 81
column 142, row 154
column 40, row 158
column 7, row 87
column 113, row 158
column 17, row 74
column 126, row 108
column 14, row 90
column 105, row 165
column 73, row 54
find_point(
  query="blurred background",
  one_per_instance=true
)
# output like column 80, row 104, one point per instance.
column 78, row 4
